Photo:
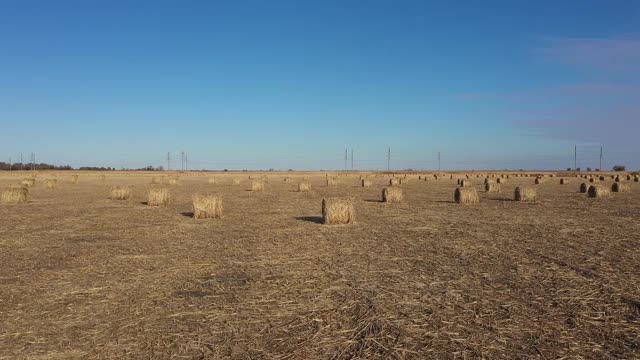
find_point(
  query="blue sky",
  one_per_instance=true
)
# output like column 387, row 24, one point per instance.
column 291, row 84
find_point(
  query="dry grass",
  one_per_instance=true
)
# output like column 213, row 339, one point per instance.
column 492, row 188
column 525, row 194
column 257, row 185
column 51, row 183
column 466, row 195
column 337, row 211
column 392, row 195
column 15, row 195
column 103, row 177
column 158, row 197
column 207, row 207
column 598, row 191
column 366, row 183
column 120, row 192
column 620, row 187
column 304, row 186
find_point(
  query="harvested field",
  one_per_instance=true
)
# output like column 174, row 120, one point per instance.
column 86, row 277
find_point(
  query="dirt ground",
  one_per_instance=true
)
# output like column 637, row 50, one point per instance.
column 83, row 276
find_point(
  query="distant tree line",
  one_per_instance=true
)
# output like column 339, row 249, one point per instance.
column 41, row 166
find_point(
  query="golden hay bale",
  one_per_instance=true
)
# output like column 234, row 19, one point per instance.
column 332, row 182
column 120, row 192
column 501, row 180
column 212, row 181
column 393, row 182
column 601, row 178
column 158, row 197
column 74, row 179
column 173, row 181
column 51, row 183
column 525, row 194
column 539, row 180
column 392, row 195
column 336, row 211
column 594, row 180
column 628, row 177
column 156, row 180
column 492, row 188
column 618, row 179
column 564, row 181
column 103, row 177
column 584, row 188
column 619, row 187
column 257, row 185
column 366, row 183
column 488, row 181
column 235, row 182
column 597, row 191
column 466, row 195
column 207, row 207
column 466, row 183
column 636, row 178
column 15, row 195
column 287, row 179
column 304, row 186
column 28, row 182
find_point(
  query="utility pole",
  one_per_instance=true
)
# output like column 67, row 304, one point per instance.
column 168, row 161
column 186, row 162
column 351, row 159
column 389, row 159
column 575, row 157
column 345, row 160
column 438, row 160
column 182, row 159
column 600, row 158
column 21, row 162
column 9, row 163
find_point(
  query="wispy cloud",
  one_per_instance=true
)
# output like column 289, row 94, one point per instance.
column 617, row 53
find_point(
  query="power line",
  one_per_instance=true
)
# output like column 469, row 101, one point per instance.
column 168, row 161
column 352, row 159
column 438, row 160
column 389, row 159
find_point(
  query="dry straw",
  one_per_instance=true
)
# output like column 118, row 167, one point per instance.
column 158, row 197
column 466, row 195
column 584, row 188
column 304, row 186
column 207, row 207
column 103, row 177
column 366, row 183
column 120, row 192
column 525, row 194
column 492, row 188
column 336, row 211
column 619, row 187
column 598, row 191
column 15, row 195
column 392, row 195
column 51, row 183
column 257, row 185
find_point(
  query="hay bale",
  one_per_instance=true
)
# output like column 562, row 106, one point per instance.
column 211, row 181
column 257, row 185
column 15, row 195
column 525, row 194
column 466, row 195
column 392, row 195
column 492, row 188
column 28, row 182
column 619, row 187
column 618, row 179
column 488, row 181
column 366, row 183
column 393, row 182
column 287, row 179
column 636, row 178
column 158, row 197
column 539, row 180
column 336, row 211
column 628, row 177
column 584, row 188
column 156, row 180
column 51, row 183
column 602, row 178
column 466, row 183
column 332, row 182
column 501, row 180
column 304, row 186
column 173, row 181
column 74, row 179
column 598, row 191
column 564, row 181
column 120, row 192
column 207, row 207
column 594, row 180
column 235, row 182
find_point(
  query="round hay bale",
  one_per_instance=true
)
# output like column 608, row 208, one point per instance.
column 392, row 195
column 598, row 191
column 601, row 178
column 594, row 180
column 366, row 183
column 620, row 187
column 235, row 182
column 539, row 181
column 466, row 195
column 393, row 182
column 207, row 207
column 28, row 182
column 337, row 211
column 287, row 179
column 492, row 188
column 74, row 179
column 584, row 188
column 564, row 181
column 212, row 181
column 51, row 183
column 332, row 182
column 487, row 181
column 618, row 179
column 156, row 180
column 525, row 194
column 304, row 186
column 628, row 177
column 120, row 192
column 466, row 183
column 636, row 178
column 15, row 195
column 158, row 197
column 257, row 185
column 502, row 180
column 173, row 181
